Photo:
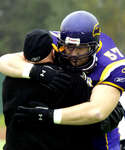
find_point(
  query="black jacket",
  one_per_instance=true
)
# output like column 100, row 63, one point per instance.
column 25, row 136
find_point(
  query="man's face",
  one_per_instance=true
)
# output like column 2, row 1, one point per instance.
column 76, row 55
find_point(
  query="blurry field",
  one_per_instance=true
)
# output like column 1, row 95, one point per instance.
column 1, row 144
column 2, row 132
column 1, row 121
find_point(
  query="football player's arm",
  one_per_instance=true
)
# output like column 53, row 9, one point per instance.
column 12, row 64
column 15, row 65
column 103, row 100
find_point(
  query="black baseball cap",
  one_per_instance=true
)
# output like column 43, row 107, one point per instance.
column 37, row 45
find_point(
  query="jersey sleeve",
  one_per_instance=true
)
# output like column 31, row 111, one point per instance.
column 114, row 75
column 55, row 36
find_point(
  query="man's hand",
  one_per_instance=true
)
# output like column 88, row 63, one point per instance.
column 38, row 114
column 112, row 121
column 51, row 76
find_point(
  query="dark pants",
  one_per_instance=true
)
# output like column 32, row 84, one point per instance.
column 122, row 144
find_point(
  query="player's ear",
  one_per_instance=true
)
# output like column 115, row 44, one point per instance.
column 49, row 58
column 53, row 53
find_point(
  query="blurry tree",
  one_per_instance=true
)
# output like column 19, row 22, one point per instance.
column 18, row 17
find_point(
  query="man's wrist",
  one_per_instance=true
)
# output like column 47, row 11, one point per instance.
column 26, row 70
column 57, row 116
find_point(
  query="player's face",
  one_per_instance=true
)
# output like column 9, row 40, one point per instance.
column 77, row 54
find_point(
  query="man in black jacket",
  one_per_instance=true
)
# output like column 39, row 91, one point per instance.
column 23, row 134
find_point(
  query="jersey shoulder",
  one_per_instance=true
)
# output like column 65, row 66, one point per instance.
column 108, row 52
column 110, row 63
column 55, row 36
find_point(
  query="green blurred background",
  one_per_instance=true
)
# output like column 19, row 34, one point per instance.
column 17, row 17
